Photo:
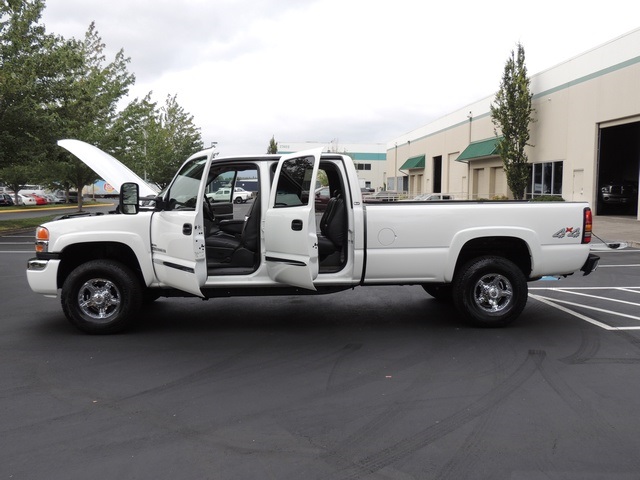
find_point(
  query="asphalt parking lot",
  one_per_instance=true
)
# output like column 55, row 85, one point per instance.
column 375, row 383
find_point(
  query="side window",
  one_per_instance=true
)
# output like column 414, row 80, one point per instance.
column 183, row 192
column 294, row 184
column 231, row 190
column 220, row 188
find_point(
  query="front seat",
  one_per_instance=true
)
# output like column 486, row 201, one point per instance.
column 224, row 250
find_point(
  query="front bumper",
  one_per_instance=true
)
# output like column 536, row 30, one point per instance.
column 42, row 276
column 591, row 264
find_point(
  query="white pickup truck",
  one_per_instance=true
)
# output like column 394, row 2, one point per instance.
column 477, row 255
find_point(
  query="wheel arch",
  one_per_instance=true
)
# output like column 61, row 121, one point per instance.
column 513, row 248
column 77, row 254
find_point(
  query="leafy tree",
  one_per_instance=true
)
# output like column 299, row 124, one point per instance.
column 511, row 113
column 137, row 130
column 273, row 145
column 32, row 63
column 52, row 88
column 157, row 140
column 181, row 139
column 87, row 110
column 16, row 177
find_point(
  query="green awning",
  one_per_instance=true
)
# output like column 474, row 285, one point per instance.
column 480, row 149
column 413, row 162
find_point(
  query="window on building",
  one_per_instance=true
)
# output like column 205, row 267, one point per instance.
column 546, row 179
column 363, row 166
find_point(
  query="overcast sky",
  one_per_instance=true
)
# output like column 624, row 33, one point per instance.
column 348, row 71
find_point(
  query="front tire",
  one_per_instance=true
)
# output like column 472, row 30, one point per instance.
column 490, row 291
column 101, row 297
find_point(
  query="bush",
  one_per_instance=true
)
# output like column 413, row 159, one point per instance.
column 548, row 198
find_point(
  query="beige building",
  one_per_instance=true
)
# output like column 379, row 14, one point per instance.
column 586, row 138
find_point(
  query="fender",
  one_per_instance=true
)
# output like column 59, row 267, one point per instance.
column 120, row 229
column 461, row 238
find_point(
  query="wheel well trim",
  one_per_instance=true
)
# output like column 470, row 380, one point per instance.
column 463, row 238
column 129, row 242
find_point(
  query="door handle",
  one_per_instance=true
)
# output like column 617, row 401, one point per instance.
column 296, row 225
column 187, row 228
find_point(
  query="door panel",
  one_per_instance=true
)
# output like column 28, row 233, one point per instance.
column 177, row 232
column 291, row 241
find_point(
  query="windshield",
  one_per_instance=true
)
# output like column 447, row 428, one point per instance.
column 183, row 193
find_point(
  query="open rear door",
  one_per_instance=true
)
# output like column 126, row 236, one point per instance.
column 290, row 237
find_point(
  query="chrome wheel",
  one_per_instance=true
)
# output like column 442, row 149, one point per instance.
column 99, row 299
column 101, row 296
column 493, row 293
column 490, row 291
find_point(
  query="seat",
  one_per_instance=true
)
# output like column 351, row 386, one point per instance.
column 332, row 229
column 225, row 250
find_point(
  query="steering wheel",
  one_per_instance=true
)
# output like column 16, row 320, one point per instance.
column 208, row 211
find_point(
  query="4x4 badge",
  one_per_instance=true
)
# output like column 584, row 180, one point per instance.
column 573, row 232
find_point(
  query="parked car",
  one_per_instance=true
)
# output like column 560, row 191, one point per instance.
column 619, row 192
column 26, row 200
column 73, row 197
column 239, row 195
column 6, row 200
column 40, row 200
column 383, row 196
column 431, row 197
column 51, row 198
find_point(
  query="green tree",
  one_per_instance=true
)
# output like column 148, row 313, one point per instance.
column 87, row 109
column 155, row 141
column 137, row 130
column 16, row 177
column 273, row 145
column 511, row 114
column 32, row 66
column 179, row 138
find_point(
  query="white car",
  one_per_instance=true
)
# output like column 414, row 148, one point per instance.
column 240, row 195
column 26, row 200
column 431, row 197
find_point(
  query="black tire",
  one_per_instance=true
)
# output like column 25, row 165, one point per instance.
column 490, row 291
column 238, row 200
column 442, row 293
column 101, row 297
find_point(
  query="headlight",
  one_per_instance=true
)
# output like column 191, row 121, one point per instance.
column 42, row 240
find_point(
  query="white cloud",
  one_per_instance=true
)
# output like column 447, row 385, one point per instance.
column 360, row 71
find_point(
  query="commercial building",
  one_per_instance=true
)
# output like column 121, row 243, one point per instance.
column 369, row 159
column 586, row 138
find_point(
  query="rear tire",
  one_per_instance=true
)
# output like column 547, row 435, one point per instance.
column 101, row 297
column 490, row 291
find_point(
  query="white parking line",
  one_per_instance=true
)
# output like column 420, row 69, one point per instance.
column 553, row 302
column 571, row 312
column 628, row 290
column 582, row 288
column 612, row 266
column 563, row 290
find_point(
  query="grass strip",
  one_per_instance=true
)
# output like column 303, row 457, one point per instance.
column 20, row 223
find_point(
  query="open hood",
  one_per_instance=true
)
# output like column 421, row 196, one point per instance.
column 107, row 167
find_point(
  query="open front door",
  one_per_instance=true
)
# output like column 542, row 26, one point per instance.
column 290, row 237
column 177, row 232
